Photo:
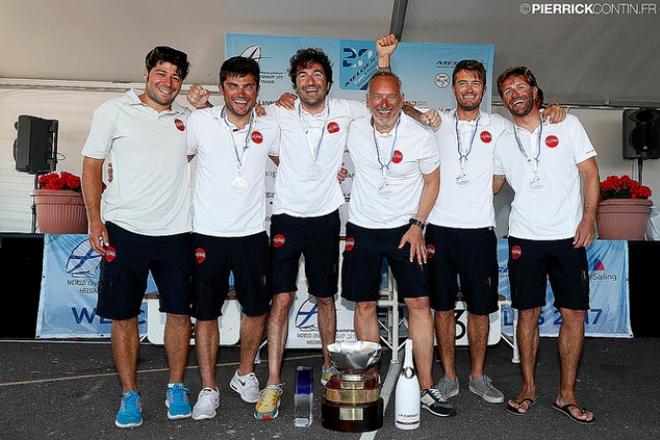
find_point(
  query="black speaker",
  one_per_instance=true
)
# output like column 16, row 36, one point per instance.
column 35, row 147
column 641, row 134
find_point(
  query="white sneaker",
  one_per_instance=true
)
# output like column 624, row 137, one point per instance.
column 247, row 386
column 207, row 403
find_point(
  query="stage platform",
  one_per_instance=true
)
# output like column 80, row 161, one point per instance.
column 69, row 390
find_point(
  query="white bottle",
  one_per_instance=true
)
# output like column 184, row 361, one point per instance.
column 407, row 405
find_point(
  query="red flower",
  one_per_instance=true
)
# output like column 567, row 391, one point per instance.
column 56, row 181
column 623, row 187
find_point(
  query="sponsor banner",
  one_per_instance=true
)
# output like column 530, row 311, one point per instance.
column 609, row 313
column 425, row 70
column 67, row 303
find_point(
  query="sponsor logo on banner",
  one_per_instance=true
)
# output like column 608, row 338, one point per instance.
column 110, row 254
column 253, row 52
column 358, row 63
column 441, row 80
column 83, row 262
column 333, row 127
column 350, row 242
column 552, row 141
column 179, row 124
column 397, row 156
column 306, row 316
column 486, row 137
column 516, row 252
column 279, row 240
column 200, row 255
column 598, row 265
column 430, row 250
column 599, row 273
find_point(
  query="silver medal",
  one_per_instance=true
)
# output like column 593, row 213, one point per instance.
column 240, row 185
column 462, row 180
column 536, row 183
column 384, row 190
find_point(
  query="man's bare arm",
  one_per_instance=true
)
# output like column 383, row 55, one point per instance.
column 585, row 232
column 498, row 183
column 92, row 186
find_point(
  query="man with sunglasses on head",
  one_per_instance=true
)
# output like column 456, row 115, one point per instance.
column 142, row 222
column 553, row 171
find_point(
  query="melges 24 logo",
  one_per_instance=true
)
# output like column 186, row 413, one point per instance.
column 306, row 316
column 358, row 63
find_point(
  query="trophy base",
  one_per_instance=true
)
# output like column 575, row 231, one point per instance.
column 352, row 418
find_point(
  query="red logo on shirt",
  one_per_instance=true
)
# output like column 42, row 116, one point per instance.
column 516, row 252
column 110, row 254
column 179, row 124
column 333, row 127
column 397, row 156
column 200, row 255
column 430, row 251
column 486, row 137
column 552, row 141
column 257, row 137
column 279, row 240
column 350, row 242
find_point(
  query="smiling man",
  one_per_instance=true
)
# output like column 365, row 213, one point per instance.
column 229, row 209
column 144, row 223
column 553, row 172
column 395, row 187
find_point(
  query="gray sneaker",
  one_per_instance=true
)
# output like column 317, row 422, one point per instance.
column 435, row 404
column 483, row 388
column 447, row 387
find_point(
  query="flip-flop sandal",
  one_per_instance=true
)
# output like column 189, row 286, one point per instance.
column 566, row 410
column 515, row 411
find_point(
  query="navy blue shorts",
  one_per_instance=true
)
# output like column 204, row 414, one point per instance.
column 532, row 262
column 247, row 257
column 363, row 256
column 466, row 254
column 126, row 266
column 317, row 239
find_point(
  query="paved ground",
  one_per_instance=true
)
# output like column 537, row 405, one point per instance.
column 70, row 391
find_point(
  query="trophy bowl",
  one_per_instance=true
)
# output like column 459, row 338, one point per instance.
column 352, row 401
column 355, row 356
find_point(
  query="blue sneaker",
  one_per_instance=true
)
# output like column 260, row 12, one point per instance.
column 130, row 411
column 177, row 402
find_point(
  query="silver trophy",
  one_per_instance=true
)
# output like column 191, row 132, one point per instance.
column 352, row 401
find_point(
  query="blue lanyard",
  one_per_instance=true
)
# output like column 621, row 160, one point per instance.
column 384, row 168
column 323, row 128
column 246, row 144
column 536, row 158
column 464, row 156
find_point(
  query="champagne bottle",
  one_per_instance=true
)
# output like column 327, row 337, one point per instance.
column 407, row 404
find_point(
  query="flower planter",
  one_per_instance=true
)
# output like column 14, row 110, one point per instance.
column 623, row 219
column 60, row 211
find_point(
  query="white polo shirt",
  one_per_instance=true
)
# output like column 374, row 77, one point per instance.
column 412, row 154
column 552, row 211
column 149, row 193
column 218, row 208
column 300, row 190
column 466, row 193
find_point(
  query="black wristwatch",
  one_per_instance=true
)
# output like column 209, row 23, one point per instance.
column 414, row 221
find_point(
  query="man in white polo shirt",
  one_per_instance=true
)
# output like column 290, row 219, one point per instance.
column 229, row 210
column 395, row 186
column 553, row 171
column 144, row 224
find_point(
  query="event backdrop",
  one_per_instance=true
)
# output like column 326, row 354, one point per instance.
column 67, row 305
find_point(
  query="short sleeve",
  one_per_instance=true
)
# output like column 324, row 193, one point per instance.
column 580, row 143
column 101, row 134
column 191, row 136
column 430, row 158
column 358, row 109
